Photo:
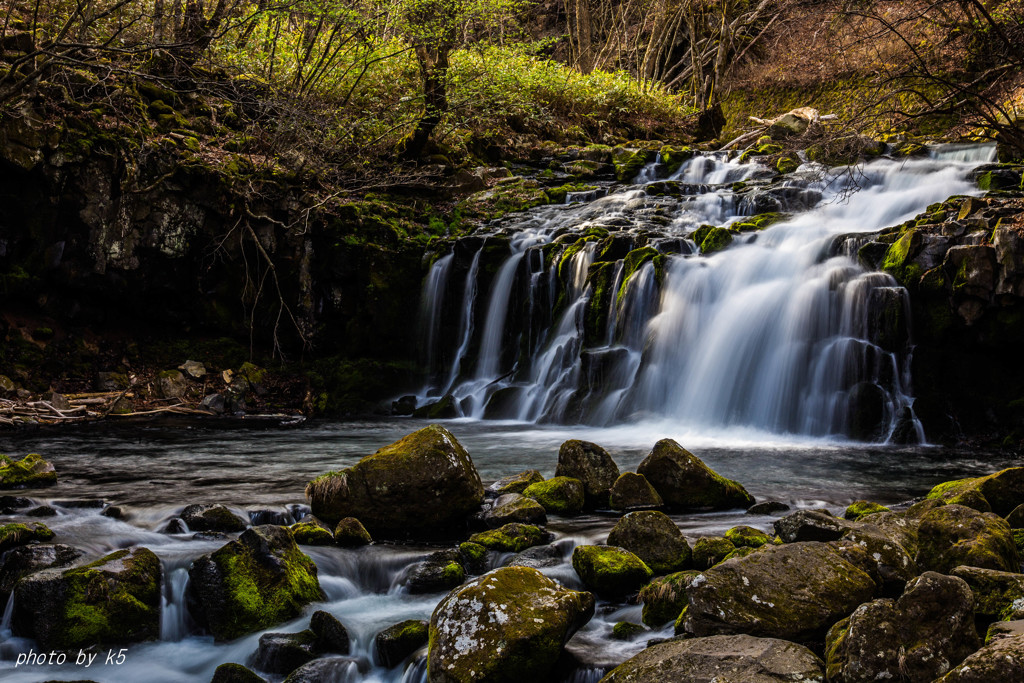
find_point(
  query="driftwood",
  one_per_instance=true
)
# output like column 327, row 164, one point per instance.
column 806, row 113
column 83, row 407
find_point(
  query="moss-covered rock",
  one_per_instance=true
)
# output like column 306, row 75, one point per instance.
column 716, row 239
column 115, row 599
column 794, row 591
column 710, row 550
column 282, row 653
column 720, row 658
column 558, row 495
column 1002, row 491
column 27, row 559
column 861, row 508
column 759, row 221
column 632, row 491
column 507, row 625
column 1001, row 659
column 610, row 570
column 474, row 557
column 29, row 472
column 235, row 673
column 310, row 533
column 516, row 483
column 952, row 535
column 591, row 465
column 419, row 484
column 664, row 598
column 627, row 630
column 628, row 161
column 212, row 518
column 511, row 538
column 16, row 534
column 683, row 481
column 394, row 644
column 512, row 508
column 811, row 525
column 441, row 571
column 997, row 595
column 350, row 533
column 747, row 536
column 251, row 583
column 654, row 538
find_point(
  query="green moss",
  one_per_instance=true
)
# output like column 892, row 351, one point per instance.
column 30, row 471
column 453, row 574
column 595, row 317
column 511, row 538
column 716, row 240
column 559, row 495
column 759, row 222
column 350, row 532
column 609, row 570
column 308, row 533
column 745, row 536
column 627, row 630
column 787, row 164
column 710, row 550
column 628, row 162
column 16, row 533
column 665, row 597
column 862, row 508
column 673, row 157
column 634, row 261
column 897, row 260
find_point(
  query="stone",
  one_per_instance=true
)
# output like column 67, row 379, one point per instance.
column 632, row 491
column 1016, row 517
column 916, row 638
column 24, row 560
column 509, row 624
column 710, row 550
column 251, row 583
column 193, row 369
column 794, row 591
column 769, row 507
column 350, row 533
column 310, row 533
column 515, row 507
column 627, row 630
column 282, row 653
column 235, row 673
column 720, row 659
column 609, row 570
column 16, row 534
column 444, row 409
column 325, row 670
column 331, row 635
column 396, row 643
column 664, row 598
column 654, row 538
column 952, row 535
column 29, row 472
column 1000, row 660
column 441, row 571
column 516, row 483
column 215, row 403
column 200, row 517
column 511, row 538
column 1002, row 491
column 747, row 537
column 811, row 525
column 171, row 384
column 1004, row 629
column 7, row 387
column 474, row 557
column 115, row 599
column 683, row 481
column 861, row 508
column 997, row 595
column 879, row 554
column 559, row 496
column 591, row 465
column 423, row 483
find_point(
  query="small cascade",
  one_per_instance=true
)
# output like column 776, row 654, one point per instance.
column 602, row 312
column 174, row 619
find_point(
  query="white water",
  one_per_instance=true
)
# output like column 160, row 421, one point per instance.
column 771, row 334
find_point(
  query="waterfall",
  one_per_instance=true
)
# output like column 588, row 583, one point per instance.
column 603, row 312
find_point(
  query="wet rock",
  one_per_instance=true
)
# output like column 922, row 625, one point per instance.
column 114, row 512
column 632, row 491
column 1000, row 660
column 15, row 534
column 916, row 638
column 609, row 570
column 396, row 643
column 215, row 403
column 1002, row 491
column 209, row 536
column 405, row 405
column 324, row 670
column 310, row 533
column 473, row 557
column 509, row 624
column 24, row 560
column 331, row 635
column 720, row 658
column 351, row 533
column 7, row 387
column 444, row 409
column 515, row 508
column 1004, row 629
column 14, row 502
column 278, row 517
column 212, row 518
column 559, row 495
column 282, row 653
column 747, row 537
column 115, row 599
column 880, row 555
column 251, row 583
column 29, row 472
column 683, row 481
column 441, row 571
column 235, row 673
column 654, row 538
column 174, row 526
column 811, row 525
column 516, row 483
column 41, row 511
column 997, row 595
column 769, row 507
column 793, row 591
column 1016, row 518
column 664, row 598
column 952, row 535
column 710, row 550
column 591, row 465
column 627, row 630
column 420, row 484
column 855, row 511
column 511, row 538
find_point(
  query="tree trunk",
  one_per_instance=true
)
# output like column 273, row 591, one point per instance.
column 434, row 69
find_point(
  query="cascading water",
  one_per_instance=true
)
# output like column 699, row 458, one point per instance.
column 602, row 313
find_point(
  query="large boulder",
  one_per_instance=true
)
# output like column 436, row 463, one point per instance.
column 654, row 538
column 1001, row 492
column 793, row 591
column 664, row 598
column 952, row 535
column 610, row 571
column 720, row 659
column 683, row 481
column 811, row 525
column 115, row 599
column 29, row 472
column 507, row 625
column 997, row 595
column 559, row 495
column 251, row 583
column 1000, row 660
column 591, row 465
column 24, row 560
column 632, row 491
column 420, row 483
column 916, row 638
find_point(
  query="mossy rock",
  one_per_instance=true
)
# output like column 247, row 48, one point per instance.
column 559, row 495
column 1002, row 491
column 591, row 465
column 635, row 260
column 747, row 536
column 760, row 221
column 654, row 538
column 474, row 557
column 632, row 491
column 235, row 673
column 609, row 570
column 673, row 157
column 862, row 508
column 310, row 533
column 29, row 472
column 710, row 550
column 515, row 508
column 396, row 643
column 350, row 533
column 628, row 161
column 952, row 535
column 441, row 571
column 16, row 534
column 717, row 239
column 115, row 599
column 787, row 164
column 997, row 595
column 684, row 481
column 252, row 583
column 201, row 517
column 422, row 483
column 627, row 630
column 511, row 538
column 507, row 625
column 664, row 598
column 516, row 483
column 898, row 259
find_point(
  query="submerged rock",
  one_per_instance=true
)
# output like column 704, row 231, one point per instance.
column 609, row 570
column 395, row 643
column 951, row 535
column 251, row 583
column 654, row 538
column 769, row 507
column 683, row 481
column 632, row 491
column 282, row 653
column 507, row 625
column 212, row 518
column 559, row 495
column 29, row 472
column 419, row 484
column 331, row 635
column 115, row 599
column 720, row 658
column 591, row 465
